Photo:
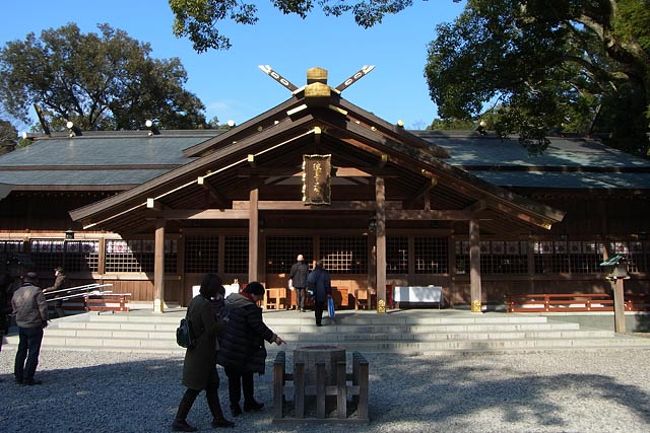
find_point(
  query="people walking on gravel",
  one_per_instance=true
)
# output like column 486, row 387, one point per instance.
column 242, row 346
column 298, row 277
column 200, row 365
column 30, row 309
column 319, row 283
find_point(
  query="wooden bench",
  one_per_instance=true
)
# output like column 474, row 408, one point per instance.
column 276, row 298
column 107, row 302
column 559, row 302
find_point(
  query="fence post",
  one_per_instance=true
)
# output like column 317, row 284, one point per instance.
column 341, row 390
column 299, row 388
column 278, row 384
column 320, row 390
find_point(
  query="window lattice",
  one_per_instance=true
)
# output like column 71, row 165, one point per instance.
column 567, row 256
column 431, row 255
column 81, row 255
column 344, row 255
column 137, row 255
column 397, row 255
column 497, row 257
column 201, row 254
column 10, row 250
column 281, row 252
column 637, row 252
column 236, row 255
column 46, row 254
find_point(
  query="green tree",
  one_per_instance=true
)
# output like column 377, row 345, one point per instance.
column 568, row 65
column 98, row 81
column 8, row 136
column 199, row 19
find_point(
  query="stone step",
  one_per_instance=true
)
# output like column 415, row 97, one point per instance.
column 346, row 317
column 406, row 347
column 315, row 335
column 335, row 328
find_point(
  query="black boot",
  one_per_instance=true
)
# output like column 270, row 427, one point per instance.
column 249, row 394
column 218, row 419
column 180, row 424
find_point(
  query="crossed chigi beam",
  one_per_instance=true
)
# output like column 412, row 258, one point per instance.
column 365, row 70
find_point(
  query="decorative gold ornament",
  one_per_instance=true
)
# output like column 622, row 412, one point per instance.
column 381, row 306
column 476, row 306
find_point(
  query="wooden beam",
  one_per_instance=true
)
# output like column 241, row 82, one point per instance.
column 477, row 206
column 204, row 214
column 475, row 266
column 155, row 205
column 218, row 198
column 422, row 191
column 159, row 267
column 427, row 215
column 380, row 195
column 359, row 205
column 383, row 161
column 251, row 160
column 253, row 234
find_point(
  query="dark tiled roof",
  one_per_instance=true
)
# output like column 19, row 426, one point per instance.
column 79, row 177
column 567, row 163
column 99, row 158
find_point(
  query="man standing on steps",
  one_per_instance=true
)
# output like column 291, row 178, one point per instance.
column 320, row 283
column 29, row 307
column 298, row 278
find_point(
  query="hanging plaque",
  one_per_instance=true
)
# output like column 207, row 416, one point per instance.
column 316, row 179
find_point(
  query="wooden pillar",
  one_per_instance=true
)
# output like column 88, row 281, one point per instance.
column 159, row 268
column 253, row 235
column 380, row 194
column 101, row 265
column 475, row 265
column 619, row 306
column 180, row 269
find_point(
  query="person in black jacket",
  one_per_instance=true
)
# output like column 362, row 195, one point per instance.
column 242, row 350
column 320, row 283
column 298, row 277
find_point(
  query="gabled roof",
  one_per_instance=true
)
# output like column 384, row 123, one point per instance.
column 313, row 121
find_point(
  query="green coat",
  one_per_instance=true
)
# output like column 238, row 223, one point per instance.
column 201, row 361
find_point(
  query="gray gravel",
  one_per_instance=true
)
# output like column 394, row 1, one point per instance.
column 563, row 391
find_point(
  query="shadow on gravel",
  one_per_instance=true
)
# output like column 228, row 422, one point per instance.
column 436, row 394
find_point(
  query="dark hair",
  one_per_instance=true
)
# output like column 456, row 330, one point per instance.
column 319, row 264
column 59, row 268
column 254, row 288
column 211, row 285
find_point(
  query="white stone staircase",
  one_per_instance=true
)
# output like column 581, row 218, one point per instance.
column 408, row 332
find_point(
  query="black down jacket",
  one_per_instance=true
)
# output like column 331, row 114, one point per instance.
column 242, row 341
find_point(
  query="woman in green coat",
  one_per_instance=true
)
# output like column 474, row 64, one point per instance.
column 200, row 366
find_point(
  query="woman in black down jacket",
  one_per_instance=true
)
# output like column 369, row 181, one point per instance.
column 242, row 351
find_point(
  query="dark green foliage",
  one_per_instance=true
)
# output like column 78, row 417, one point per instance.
column 199, row 19
column 98, row 81
column 577, row 66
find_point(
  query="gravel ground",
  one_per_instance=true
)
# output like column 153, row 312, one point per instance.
column 563, row 391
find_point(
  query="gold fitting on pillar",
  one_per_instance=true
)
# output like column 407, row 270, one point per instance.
column 381, row 306
column 476, row 306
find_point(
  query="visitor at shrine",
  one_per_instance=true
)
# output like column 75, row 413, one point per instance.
column 319, row 283
column 298, row 278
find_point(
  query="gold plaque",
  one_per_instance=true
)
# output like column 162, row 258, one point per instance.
column 316, row 179
column 476, row 306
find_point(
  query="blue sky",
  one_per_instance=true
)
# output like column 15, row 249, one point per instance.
column 229, row 82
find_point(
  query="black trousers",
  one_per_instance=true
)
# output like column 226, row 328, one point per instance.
column 319, row 306
column 300, row 291
column 29, row 347
column 238, row 380
column 211, row 395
